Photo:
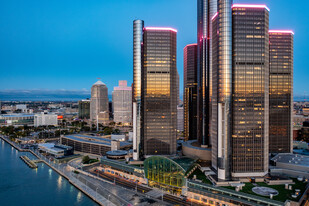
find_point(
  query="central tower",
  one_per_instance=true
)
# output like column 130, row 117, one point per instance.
column 205, row 10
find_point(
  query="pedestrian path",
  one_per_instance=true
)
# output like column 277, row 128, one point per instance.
column 155, row 193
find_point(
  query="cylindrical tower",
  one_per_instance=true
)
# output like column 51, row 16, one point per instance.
column 138, row 26
column 205, row 10
column 225, row 86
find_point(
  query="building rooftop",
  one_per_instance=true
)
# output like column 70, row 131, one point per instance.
column 99, row 82
column 17, row 115
column 293, row 159
column 117, row 153
column 95, row 140
column 184, row 162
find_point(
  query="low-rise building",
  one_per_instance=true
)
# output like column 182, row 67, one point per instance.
column 91, row 144
column 291, row 165
column 58, row 151
column 44, row 119
column 17, row 119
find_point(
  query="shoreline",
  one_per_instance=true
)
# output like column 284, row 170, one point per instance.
column 52, row 167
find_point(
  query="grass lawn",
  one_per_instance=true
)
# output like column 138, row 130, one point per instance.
column 283, row 193
column 200, row 176
column 91, row 161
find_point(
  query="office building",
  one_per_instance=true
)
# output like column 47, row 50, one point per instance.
column 280, row 91
column 44, row 119
column 138, row 27
column 250, row 82
column 122, row 103
column 190, row 91
column 205, row 10
column 180, row 114
column 159, row 92
column 99, row 103
column 221, row 101
column 84, row 109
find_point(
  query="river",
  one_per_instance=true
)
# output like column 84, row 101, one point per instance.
column 22, row 186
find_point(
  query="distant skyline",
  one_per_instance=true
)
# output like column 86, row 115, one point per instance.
column 67, row 45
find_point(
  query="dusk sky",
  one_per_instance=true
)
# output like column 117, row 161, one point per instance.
column 67, row 44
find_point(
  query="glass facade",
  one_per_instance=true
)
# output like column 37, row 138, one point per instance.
column 190, row 91
column 205, row 10
column 84, row 109
column 138, row 26
column 250, row 118
column 159, row 95
column 164, row 173
column 222, row 87
column 281, row 91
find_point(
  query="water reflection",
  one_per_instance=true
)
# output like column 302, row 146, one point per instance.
column 50, row 173
column 79, row 196
column 59, row 182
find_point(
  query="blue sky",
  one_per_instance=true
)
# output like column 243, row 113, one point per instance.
column 67, row 44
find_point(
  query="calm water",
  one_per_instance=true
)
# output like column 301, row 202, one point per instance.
column 20, row 185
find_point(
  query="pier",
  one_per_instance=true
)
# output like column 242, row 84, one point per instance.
column 29, row 162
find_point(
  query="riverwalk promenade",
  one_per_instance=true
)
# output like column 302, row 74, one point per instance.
column 66, row 172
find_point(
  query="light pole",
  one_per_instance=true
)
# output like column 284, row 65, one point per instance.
column 136, row 186
column 108, row 199
column 96, row 193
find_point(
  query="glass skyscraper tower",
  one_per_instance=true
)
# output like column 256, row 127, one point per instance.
column 221, row 88
column 190, row 91
column 159, row 91
column 138, row 27
column 250, row 104
column 205, row 10
column 280, row 91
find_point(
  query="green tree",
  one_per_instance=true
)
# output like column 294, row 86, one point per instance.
column 86, row 159
column 107, row 131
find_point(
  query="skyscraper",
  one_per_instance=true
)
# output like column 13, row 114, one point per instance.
column 250, row 104
column 99, row 103
column 159, row 95
column 84, row 109
column 205, row 10
column 190, row 91
column 138, row 27
column 122, row 103
column 221, row 101
column 280, row 91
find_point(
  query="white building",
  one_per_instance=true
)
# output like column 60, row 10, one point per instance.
column 21, row 107
column 45, row 119
column 180, row 120
column 122, row 103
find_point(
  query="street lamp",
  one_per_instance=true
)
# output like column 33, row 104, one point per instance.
column 108, row 199
column 96, row 193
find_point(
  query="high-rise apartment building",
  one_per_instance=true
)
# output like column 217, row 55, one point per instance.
column 84, row 109
column 250, row 104
column 159, row 92
column 122, row 103
column 190, row 91
column 205, row 10
column 280, row 91
column 99, row 103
